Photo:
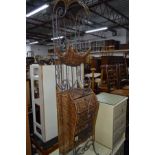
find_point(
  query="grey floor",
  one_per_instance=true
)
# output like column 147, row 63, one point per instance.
column 99, row 148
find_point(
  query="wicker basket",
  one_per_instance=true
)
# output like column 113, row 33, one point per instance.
column 71, row 57
column 77, row 112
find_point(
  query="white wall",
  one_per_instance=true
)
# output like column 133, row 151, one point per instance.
column 121, row 36
column 28, row 48
column 38, row 49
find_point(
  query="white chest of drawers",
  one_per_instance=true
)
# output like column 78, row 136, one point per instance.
column 111, row 119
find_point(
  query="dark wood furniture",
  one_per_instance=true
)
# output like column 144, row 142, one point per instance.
column 110, row 80
column 113, row 81
column 112, row 43
column 123, row 92
column 44, row 148
column 126, row 87
column 123, row 77
column 110, row 60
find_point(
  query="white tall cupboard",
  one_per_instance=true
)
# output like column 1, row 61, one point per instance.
column 43, row 90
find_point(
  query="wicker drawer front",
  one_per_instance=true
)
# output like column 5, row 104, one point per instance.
column 85, row 112
column 119, row 122
column 120, row 110
column 120, row 150
column 85, row 103
column 85, row 117
column 77, row 93
column 117, row 135
column 76, row 117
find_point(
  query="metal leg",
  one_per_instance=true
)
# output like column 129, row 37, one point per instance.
column 95, row 149
column 74, row 151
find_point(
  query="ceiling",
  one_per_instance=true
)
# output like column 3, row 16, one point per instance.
column 111, row 13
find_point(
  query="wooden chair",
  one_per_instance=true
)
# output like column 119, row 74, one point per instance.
column 110, row 80
column 93, row 79
column 112, row 77
column 109, row 77
column 103, row 84
column 122, row 75
column 113, row 83
column 126, row 88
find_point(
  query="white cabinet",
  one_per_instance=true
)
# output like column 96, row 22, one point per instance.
column 43, row 90
column 119, row 148
column 111, row 119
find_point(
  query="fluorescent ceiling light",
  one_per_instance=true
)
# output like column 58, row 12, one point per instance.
column 57, row 38
column 89, row 22
column 37, row 10
column 35, row 42
column 49, row 44
column 96, row 30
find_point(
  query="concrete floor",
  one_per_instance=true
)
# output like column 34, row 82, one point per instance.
column 99, row 148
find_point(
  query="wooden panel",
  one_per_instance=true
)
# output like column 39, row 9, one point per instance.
column 124, row 46
column 28, row 93
column 49, row 99
column 28, row 142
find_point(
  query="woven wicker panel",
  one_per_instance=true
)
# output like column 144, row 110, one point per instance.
column 66, row 121
column 77, row 111
column 71, row 57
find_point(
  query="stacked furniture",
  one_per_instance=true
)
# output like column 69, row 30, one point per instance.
column 123, row 75
column 111, row 121
column 111, row 45
column 113, row 77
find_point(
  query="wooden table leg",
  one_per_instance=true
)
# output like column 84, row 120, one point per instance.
column 93, row 79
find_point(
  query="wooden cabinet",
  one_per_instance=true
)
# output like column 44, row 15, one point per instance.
column 111, row 119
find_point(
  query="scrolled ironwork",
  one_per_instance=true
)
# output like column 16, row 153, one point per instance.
column 82, row 149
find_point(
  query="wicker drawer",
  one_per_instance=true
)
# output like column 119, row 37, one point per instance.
column 119, row 122
column 84, row 104
column 120, row 110
column 118, row 134
column 120, row 150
